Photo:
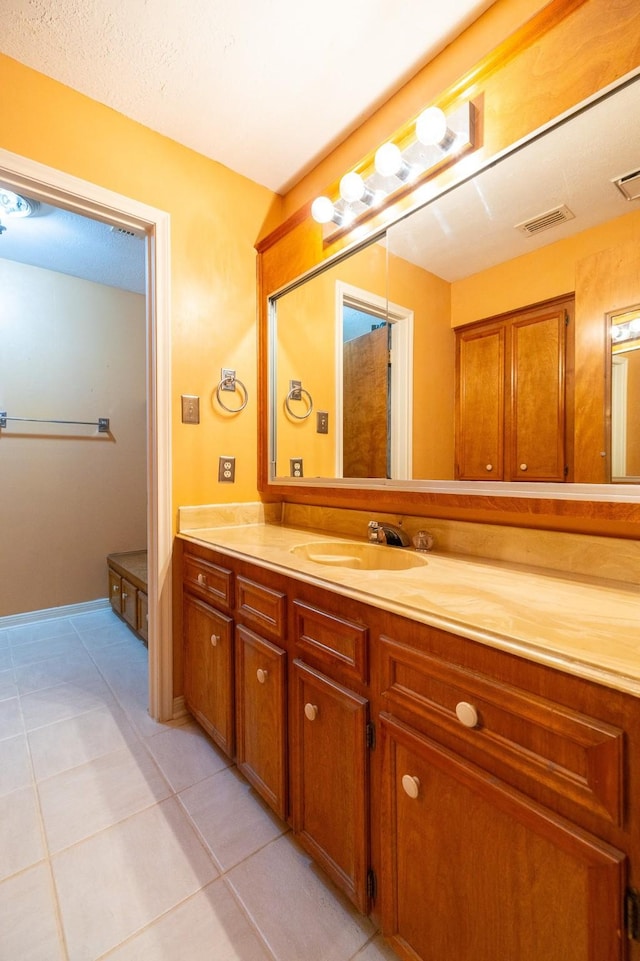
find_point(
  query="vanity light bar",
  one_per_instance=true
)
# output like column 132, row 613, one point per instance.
column 434, row 140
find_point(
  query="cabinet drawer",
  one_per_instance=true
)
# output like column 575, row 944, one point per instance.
column 208, row 580
column 262, row 607
column 331, row 640
column 523, row 738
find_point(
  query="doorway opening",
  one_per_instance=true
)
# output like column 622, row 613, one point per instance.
column 374, row 385
column 52, row 187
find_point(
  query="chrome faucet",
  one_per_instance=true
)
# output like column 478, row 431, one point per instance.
column 389, row 534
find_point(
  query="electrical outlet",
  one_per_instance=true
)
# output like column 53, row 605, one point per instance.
column 295, row 464
column 227, row 470
column 322, row 422
column 190, row 409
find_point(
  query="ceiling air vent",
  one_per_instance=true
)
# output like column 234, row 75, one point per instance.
column 123, row 231
column 559, row 215
column 629, row 185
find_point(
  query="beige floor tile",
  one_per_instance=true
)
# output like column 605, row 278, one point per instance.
column 378, row 950
column 63, row 701
column 210, row 926
column 56, row 670
column 21, row 841
column 186, row 755
column 77, row 740
column 15, row 764
column 230, row 818
column 28, row 929
column 63, row 645
column 145, row 866
column 11, row 723
column 84, row 800
column 105, row 635
column 5, row 659
column 295, row 910
column 8, row 686
column 39, row 630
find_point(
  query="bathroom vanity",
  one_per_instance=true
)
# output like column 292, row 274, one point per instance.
column 454, row 742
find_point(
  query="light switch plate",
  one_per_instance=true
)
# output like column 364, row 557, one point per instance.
column 190, row 409
column 322, row 422
column 295, row 465
column 227, row 470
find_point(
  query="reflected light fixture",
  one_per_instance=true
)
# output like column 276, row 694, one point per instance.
column 419, row 150
column 14, row 205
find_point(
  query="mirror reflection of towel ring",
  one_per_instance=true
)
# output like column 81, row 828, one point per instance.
column 309, row 399
column 230, row 383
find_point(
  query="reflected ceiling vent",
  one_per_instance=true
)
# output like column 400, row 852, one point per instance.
column 123, row 232
column 559, row 215
column 629, row 185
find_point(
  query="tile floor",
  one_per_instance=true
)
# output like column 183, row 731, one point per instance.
column 129, row 840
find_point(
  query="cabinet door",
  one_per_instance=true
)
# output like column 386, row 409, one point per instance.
column 330, row 784
column 473, row 869
column 480, row 372
column 261, row 717
column 537, row 407
column 115, row 591
column 208, row 670
column 130, row 603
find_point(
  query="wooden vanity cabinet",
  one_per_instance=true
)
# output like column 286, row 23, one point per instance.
column 513, row 396
column 127, row 572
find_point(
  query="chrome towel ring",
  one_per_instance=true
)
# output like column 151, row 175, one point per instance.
column 296, row 393
column 229, row 381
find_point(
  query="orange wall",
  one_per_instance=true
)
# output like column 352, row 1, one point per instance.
column 71, row 349
column 216, row 216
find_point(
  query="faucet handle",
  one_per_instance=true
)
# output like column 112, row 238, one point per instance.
column 374, row 531
column 423, row 541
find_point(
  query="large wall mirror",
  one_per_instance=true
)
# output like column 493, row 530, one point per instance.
column 363, row 351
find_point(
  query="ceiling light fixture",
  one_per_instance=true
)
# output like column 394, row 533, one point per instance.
column 14, row 205
column 418, row 151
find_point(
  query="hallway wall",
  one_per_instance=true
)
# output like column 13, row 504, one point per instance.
column 71, row 349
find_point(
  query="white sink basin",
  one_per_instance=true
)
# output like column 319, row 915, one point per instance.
column 361, row 557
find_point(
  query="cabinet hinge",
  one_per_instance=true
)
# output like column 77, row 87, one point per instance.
column 566, row 318
column 372, row 884
column 632, row 914
column 371, row 735
column 566, row 469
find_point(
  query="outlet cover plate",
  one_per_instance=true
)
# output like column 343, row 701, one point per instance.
column 295, row 465
column 227, row 470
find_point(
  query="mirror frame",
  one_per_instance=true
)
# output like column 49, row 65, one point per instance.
column 296, row 251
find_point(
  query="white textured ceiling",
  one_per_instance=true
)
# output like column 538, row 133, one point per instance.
column 265, row 87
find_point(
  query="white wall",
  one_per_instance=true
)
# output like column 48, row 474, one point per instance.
column 69, row 349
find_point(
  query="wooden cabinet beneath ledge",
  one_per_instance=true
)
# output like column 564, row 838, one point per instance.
column 492, row 799
column 128, row 596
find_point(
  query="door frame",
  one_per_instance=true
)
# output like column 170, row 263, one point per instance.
column 401, row 392
column 51, row 186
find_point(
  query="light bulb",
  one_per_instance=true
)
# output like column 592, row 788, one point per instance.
column 617, row 333
column 634, row 325
column 352, row 187
column 432, row 130
column 388, row 160
column 13, row 205
column 322, row 210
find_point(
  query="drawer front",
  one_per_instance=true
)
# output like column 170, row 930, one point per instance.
column 525, row 739
column 332, row 641
column 261, row 607
column 209, row 581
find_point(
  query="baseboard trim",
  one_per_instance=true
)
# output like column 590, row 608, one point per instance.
column 51, row 613
column 179, row 707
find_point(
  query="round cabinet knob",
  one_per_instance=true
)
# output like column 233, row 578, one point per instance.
column 489, row 467
column 411, row 785
column 202, row 579
column 467, row 714
column 310, row 712
column 116, row 588
column 262, row 675
column 215, row 638
column 124, row 596
column 523, row 466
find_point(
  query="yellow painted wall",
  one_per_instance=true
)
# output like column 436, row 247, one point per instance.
column 71, row 350
column 216, row 216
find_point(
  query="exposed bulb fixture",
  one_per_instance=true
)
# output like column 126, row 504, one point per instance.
column 353, row 188
column 416, row 153
column 14, row 205
column 622, row 332
column 323, row 211
column 389, row 162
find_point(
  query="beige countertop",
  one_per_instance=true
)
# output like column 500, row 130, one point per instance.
column 590, row 628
